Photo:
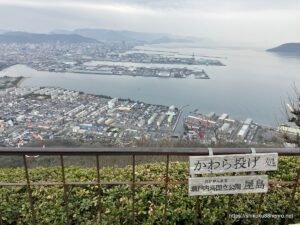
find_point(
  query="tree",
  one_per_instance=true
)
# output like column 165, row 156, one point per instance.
column 293, row 114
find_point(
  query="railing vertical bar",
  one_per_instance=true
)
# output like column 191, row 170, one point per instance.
column 99, row 189
column 259, row 209
column 261, row 199
column 133, row 189
column 65, row 187
column 228, row 210
column 230, row 196
column 197, row 211
column 1, row 221
column 166, row 189
column 29, row 191
column 289, row 209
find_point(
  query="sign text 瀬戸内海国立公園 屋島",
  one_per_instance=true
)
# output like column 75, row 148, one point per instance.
column 228, row 185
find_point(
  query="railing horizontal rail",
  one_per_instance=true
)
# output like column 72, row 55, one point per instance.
column 142, row 151
column 122, row 183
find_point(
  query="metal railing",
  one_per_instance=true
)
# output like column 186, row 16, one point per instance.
column 133, row 152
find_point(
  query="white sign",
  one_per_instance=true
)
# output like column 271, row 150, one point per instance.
column 228, row 185
column 233, row 163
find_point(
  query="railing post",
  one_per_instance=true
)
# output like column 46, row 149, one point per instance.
column 262, row 196
column 29, row 191
column 289, row 209
column 230, row 196
column 65, row 187
column 261, row 202
column 228, row 209
column 99, row 189
column 133, row 189
column 1, row 221
column 197, row 211
column 166, row 189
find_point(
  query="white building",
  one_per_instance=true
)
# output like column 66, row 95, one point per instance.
column 289, row 130
column 243, row 132
column 152, row 118
column 223, row 117
column 111, row 103
column 161, row 119
column 248, row 121
column 225, row 127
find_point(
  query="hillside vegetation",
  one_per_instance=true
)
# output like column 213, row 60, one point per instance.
column 33, row 38
column 116, row 200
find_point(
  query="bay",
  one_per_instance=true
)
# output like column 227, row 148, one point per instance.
column 254, row 83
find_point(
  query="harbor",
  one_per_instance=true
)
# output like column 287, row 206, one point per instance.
column 236, row 88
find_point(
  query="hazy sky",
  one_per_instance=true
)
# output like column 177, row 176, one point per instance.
column 259, row 22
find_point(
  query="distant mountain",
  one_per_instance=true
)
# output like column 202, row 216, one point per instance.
column 23, row 37
column 124, row 35
column 3, row 31
column 287, row 48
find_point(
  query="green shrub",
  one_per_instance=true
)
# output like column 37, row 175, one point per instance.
column 116, row 200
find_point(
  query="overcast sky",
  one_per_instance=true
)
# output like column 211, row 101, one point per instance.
column 257, row 22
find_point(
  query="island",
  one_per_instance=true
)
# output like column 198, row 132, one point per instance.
column 286, row 48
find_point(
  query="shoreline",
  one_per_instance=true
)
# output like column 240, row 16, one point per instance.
column 5, row 66
column 206, row 77
column 20, row 81
column 202, row 75
column 11, row 82
column 106, row 96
